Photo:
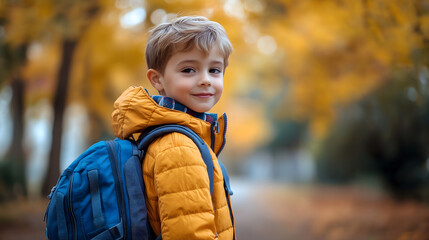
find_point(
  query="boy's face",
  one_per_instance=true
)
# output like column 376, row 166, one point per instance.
column 193, row 78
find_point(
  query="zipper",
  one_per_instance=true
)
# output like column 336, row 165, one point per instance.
column 53, row 189
column 49, row 197
column 225, row 120
column 70, row 208
column 213, row 129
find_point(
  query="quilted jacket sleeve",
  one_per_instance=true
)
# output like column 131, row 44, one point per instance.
column 182, row 186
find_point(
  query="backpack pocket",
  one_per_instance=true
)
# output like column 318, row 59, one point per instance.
column 57, row 214
column 94, row 206
column 57, row 218
column 88, row 200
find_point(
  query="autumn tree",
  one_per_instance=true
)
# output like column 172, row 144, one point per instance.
column 381, row 140
column 335, row 52
column 74, row 17
column 12, row 59
column 296, row 61
column 52, row 22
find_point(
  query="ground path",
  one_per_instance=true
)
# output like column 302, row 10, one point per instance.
column 281, row 211
column 267, row 211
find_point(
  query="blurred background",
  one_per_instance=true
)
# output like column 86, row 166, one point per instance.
column 327, row 103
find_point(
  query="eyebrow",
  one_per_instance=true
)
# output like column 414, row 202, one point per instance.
column 196, row 61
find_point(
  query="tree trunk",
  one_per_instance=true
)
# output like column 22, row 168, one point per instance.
column 17, row 107
column 13, row 169
column 59, row 107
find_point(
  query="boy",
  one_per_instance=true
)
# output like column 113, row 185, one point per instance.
column 186, row 63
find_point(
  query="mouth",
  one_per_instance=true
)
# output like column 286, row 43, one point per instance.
column 203, row 95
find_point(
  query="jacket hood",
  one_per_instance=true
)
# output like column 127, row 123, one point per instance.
column 135, row 111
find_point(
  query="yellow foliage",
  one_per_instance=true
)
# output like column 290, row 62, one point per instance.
column 338, row 51
column 309, row 57
column 40, row 71
column 424, row 25
column 246, row 129
column 108, row 60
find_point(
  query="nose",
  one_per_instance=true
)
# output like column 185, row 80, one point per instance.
column 205, row 80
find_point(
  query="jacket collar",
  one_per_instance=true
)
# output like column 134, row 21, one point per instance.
column 170, row 103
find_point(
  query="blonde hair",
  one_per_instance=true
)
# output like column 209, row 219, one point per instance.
column 183, row 34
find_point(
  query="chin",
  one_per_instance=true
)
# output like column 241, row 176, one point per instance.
column 201, row 109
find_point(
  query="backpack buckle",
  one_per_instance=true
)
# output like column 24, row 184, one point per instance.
column 52, row 191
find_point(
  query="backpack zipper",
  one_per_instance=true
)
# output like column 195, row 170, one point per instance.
column 49, row 197
column 53, row 189
column 70, row 208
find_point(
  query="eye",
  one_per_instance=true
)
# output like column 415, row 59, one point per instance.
column 215, row 70
column 188, row 70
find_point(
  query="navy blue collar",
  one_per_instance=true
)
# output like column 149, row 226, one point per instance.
column 173, row 104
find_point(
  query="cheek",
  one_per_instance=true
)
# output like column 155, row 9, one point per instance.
column 178, row 85
column 218, row 85
column 182, row 86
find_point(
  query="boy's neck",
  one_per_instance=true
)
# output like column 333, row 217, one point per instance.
column 173, row 104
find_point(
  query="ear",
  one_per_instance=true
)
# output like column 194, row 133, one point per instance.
column 155, row 78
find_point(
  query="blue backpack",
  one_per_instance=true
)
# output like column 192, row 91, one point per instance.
column 100, row 195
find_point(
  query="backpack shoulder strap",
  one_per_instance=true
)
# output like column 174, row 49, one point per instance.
column 149, row 137
column 228, row 190
column 157, row 132
column 227, row 186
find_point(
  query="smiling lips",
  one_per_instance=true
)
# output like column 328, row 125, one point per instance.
column 203, row 95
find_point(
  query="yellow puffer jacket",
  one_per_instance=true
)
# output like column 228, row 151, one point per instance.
column 177, row 185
